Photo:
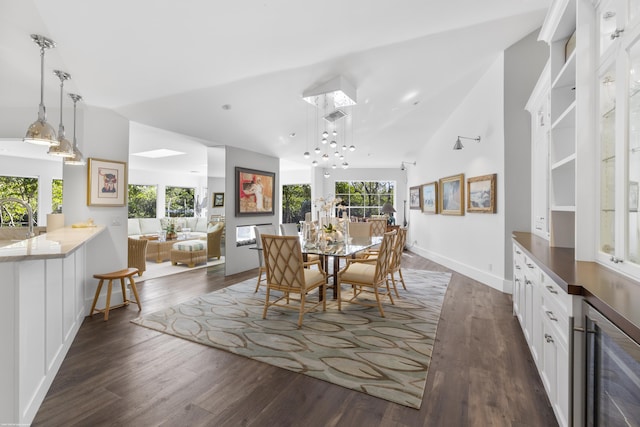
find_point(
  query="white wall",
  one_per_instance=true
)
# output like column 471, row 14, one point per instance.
column 471, row 244
column 242, row 258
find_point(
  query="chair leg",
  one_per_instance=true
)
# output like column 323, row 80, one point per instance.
column 375, row 291
column 259, row 279
column 323, row 289
column 302, row 299
column 389, row 293
column 266, row 303
column 106, row 307
column 95, row 298
column 339, row 285
column 402, row 279
column 393, row 282
column 134, row 289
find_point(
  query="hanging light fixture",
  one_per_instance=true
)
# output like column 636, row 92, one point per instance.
column 326, row 174
column 64, row 148
column 78, row 158
column 40, row 132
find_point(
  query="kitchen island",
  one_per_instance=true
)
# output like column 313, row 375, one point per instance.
column 42, row 290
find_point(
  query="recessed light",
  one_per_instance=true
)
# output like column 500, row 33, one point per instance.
column 292, row 135
column 226, row 107
column 416, row 103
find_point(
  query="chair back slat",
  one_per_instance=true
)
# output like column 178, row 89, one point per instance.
column 289, row 229
column 283, row 259
column 378, row 226
column 258, row 231
column 398, row 247
column 359, row 229
column 384, row 255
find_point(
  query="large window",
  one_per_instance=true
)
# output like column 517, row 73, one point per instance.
column 296, row 201
column 180, row 201
column 365, row 198
column 56, row 196
column 26, row 189
column 142, row 201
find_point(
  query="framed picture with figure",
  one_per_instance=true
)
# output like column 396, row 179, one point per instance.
column 106, row 182
column 415, row 199
column 218, row 200
column 430, row 198
column 255, row 191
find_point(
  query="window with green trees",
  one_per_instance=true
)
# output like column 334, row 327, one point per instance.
column 296, row 201
column 56, row 196
column 365, row 198
column 142, row 201
column 180, row 201
column 13, row 214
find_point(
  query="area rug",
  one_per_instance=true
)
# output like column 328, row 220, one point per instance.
column 356, row 348
column 155, row 270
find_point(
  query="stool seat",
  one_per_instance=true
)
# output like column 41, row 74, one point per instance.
column 120, row 274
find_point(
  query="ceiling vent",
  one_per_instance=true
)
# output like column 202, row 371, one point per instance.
column 335, row 115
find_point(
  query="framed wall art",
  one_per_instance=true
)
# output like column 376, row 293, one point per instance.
column 451, row 195
column 218, row 200
column 106, row 183
column 415, row 199
column 254, row 192
column 481, row 194
column 430, row 198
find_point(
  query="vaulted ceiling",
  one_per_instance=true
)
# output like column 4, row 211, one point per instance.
column 174, row 64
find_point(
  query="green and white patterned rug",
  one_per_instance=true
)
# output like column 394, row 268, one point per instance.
column 384, row 357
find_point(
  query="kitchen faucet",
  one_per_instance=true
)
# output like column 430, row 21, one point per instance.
column 29, row 211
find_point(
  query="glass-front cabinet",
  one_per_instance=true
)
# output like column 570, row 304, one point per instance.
column 618, row 91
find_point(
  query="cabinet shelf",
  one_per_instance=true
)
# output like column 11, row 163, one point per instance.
column 567, row 161
column 567, row 118
column 567, row 75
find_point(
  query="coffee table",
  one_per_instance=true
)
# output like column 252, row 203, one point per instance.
column 159, row 250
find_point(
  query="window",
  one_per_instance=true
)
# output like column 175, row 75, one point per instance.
column 23, row 188
column 142, row 201
column 56, row 196
column 365, row 198
column 296, row 201
column 180, row 201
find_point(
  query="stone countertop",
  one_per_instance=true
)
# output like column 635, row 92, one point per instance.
column 613, row 294
column 55, row 244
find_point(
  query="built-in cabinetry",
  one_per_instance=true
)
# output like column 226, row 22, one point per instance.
column 546, row 314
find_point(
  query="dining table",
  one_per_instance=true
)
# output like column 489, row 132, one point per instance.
column 348, row 248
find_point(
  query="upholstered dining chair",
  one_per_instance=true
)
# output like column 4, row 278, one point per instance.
column 286, row 273
column 214, row 237
column 378, row 226
column 368, row 275
column 259, row 230
column 359, row 229
column 291, row 229
column 137, row 254
column 396, row 258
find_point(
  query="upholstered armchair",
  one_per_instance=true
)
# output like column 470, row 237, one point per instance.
column 214, row 236
column 137, row 254
column 287, row 274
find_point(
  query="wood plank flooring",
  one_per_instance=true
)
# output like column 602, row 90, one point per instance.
column 117, row 373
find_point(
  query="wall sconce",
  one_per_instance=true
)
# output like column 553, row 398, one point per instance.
column 403, row 165
column 458, row 145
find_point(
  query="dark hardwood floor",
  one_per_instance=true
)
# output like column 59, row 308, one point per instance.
column 117, row 373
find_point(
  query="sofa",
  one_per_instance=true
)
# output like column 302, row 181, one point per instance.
column 137, row 227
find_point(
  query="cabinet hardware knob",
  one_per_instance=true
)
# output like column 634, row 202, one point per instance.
column 518, row 252
column 617, row 33
column 551, row 316
column 531, row 265
column 548, row 337
column 518, row 267
column 527, row 281
column 550, row 288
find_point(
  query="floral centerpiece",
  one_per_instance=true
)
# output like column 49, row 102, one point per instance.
column 171, row 229
column 331, row 227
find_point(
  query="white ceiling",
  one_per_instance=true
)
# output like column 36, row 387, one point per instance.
column 172, row 65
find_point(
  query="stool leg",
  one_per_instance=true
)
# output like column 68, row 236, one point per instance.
column 134, row 289
column 95, row 298
column 125, row 301
column 106, row 308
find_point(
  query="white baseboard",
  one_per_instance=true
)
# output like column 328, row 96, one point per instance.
column 487, row 278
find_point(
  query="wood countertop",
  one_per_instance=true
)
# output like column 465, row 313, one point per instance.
column 55, row 244
column 613, row 294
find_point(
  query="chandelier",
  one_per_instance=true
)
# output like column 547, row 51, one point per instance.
column 331, row 123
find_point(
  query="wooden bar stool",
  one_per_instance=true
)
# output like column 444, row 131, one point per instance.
column 121, row 274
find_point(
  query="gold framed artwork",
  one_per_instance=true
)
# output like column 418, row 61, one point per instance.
column 415, row 201
column 430, row 198
column 451, row 195
column 218, row 200
column 106, row 182
column 254, row 192
column 481, row 194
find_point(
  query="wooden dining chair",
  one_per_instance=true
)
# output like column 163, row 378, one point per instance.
column 291, row 229
column 286, row 273
column 378, row 226
column 368, row 275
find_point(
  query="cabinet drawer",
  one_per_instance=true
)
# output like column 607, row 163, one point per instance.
column 553, row 292
column 555, row 316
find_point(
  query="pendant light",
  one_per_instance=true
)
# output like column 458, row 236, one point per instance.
column 40, row 132
column 64, row 148
column 78, row 158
